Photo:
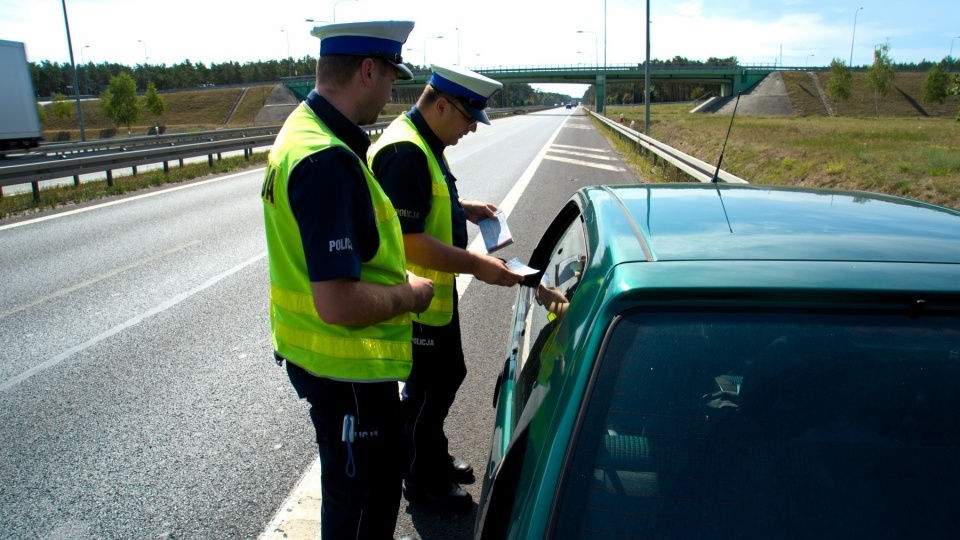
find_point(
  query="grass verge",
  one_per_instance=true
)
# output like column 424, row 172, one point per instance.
column 916, row 157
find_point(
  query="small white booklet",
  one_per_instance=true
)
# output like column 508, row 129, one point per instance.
column 495, row 232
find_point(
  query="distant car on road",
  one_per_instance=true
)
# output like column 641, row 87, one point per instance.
column 569, row 105
column 750, row 362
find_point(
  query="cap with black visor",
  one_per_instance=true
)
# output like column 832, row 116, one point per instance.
column 376, row 39
column 470, row 88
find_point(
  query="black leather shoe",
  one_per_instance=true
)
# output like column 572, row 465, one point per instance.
column 445, row 497
column 461, row 472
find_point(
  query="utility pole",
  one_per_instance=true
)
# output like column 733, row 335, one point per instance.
column 289, row 58
column 603, row 106
column 855, row 13
column 646, row 80
column 76, row 82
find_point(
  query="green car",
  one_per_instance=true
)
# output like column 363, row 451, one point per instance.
column 734, row 361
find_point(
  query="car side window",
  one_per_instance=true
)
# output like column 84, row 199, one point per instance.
column 549, row 303
column 722, row 424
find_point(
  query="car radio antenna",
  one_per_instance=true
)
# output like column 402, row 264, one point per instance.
column 716, row 173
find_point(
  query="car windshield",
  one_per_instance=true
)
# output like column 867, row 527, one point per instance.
column 769, row 425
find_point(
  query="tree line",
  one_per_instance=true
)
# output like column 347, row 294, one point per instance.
column 52, row 79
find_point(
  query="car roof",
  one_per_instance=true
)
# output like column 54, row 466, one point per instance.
column 704, row 222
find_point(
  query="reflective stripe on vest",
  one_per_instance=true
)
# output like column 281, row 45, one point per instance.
column 438, row 224
column 378, row 352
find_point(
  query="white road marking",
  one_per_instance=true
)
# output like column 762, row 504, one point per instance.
column 582, row 148
column 160, row 308
column 586, row 164
column 299, row 517
column 91, row 281
column 583, row 154
column 125, row 200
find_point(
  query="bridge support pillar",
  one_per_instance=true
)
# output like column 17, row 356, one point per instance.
column 600, row 92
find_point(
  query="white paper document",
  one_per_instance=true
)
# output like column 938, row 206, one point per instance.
column 519, row 267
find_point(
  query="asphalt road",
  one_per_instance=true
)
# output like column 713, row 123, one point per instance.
column 138, row 395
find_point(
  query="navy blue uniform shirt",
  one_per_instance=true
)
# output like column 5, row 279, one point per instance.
column 402, row 170
column 331, row 202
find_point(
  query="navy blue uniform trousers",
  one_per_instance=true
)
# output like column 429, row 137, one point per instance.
column 360, row 484
column 438, row 371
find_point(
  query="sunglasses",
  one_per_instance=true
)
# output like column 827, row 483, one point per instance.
column 469, row 118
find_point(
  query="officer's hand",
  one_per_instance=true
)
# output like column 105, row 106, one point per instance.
column 421, row 290
column 475, row 211
column 495, row 272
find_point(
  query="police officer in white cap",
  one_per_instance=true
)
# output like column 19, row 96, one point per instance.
column 408, row 162
column 341, row 298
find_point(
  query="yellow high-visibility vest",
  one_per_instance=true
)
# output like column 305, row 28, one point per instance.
column 379, row 352
column 439, row 222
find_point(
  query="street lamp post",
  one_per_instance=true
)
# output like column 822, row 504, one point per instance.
column 596, row 63
column 86, row 75
column 596, row 51
column 317, row 21
column 289, row 58
column 411, row 50
column 146, row 70
column 335, row 8
column 604, row 56
column 855, row 13
column 76, row 82
column 805, row 61
column 425, row 48
column 951, row 46
column 458, row 45
column 646, row 80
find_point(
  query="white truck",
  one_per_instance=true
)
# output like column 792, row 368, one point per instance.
column 19, row 120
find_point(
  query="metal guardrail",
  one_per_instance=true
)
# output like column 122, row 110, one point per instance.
column 695, row 168
column 68, row 165
column 63, row 160
column 117, row 143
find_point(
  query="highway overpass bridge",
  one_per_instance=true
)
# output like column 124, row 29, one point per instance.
column 732, row 79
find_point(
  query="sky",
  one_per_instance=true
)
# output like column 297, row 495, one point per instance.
column 493, row 33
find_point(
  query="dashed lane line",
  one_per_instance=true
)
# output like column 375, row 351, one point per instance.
column 91, row 281
column 160, row 308
column 586, row 164
column 583, row 154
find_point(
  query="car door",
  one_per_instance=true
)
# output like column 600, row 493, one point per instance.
column 538, row 312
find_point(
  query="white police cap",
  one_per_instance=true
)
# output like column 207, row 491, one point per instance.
column 377, row 39
column 471, row 88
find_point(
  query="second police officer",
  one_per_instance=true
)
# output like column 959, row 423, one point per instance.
column 409, row 163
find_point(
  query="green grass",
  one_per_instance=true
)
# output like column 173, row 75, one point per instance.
column 186, row 112
column 914, row 156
